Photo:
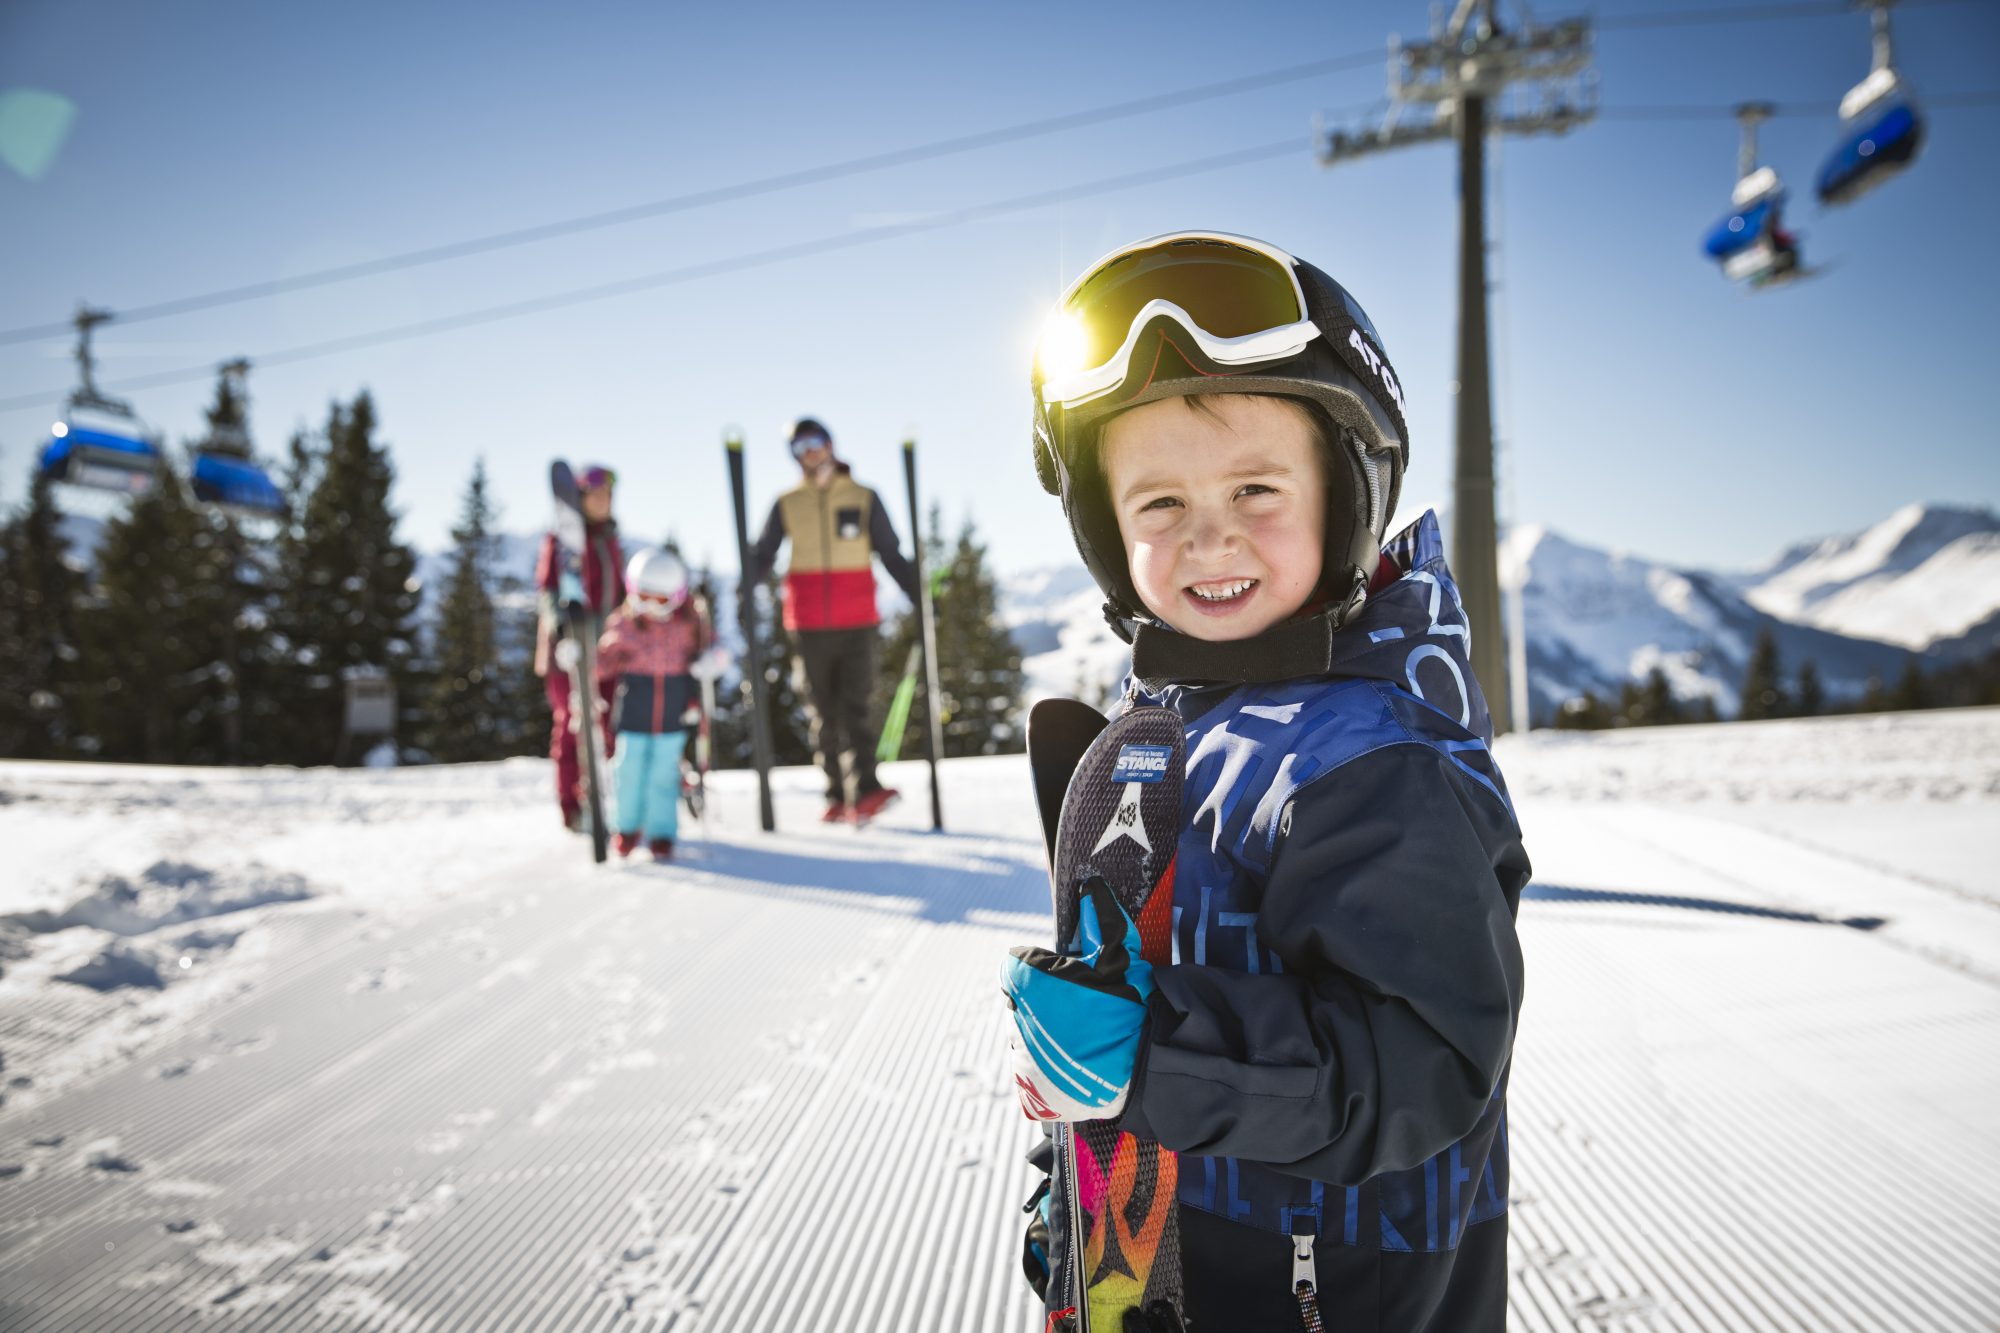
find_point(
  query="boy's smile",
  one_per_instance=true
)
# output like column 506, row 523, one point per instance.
column 1221, row 505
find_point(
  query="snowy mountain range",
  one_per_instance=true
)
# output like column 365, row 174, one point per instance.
column 1925, row 574
column 1925, row 579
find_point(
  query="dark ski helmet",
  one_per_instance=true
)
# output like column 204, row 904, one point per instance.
column 1206, row 312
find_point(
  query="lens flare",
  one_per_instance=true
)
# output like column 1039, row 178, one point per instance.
column 1063, row 346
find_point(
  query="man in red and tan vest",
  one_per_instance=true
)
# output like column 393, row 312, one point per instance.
column 836, row 526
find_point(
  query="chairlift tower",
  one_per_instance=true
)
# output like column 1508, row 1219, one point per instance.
column 87, row 393
column 1457, row 86
column 234, row 439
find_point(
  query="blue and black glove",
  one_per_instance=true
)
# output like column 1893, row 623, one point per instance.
column 1079, row 1015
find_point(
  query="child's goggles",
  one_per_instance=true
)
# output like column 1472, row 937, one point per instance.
column 1237, row 300
column 595, row 478
column 658, row 605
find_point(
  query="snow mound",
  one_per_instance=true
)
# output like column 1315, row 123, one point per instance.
column 117, row 966
column 168, row 893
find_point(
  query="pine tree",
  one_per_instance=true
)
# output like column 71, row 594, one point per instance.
column 1874, row 698
column 979, row 668
column 1912, row 690
column 151, row 632
column 347, row 600
column 1657, row 706
column 1584, row 712
column 463, row 716
column 38, row 654
column 1810, row 697
column 243, row 676
column 1763, row 689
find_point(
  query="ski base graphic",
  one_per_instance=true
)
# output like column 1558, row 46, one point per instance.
column 1120, row 820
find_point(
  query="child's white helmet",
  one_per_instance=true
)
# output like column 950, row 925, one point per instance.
column 656, row 582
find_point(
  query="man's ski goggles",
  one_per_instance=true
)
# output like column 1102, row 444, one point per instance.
column 596, row 479
column 806, row 441
column 1238, row 301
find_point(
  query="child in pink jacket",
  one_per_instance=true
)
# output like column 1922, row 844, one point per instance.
column 653, row 651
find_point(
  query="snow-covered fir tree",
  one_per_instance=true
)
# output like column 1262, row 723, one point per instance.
column 346, row 597
column 464, row 708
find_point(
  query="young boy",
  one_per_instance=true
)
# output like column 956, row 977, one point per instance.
column 1328, row 1048
column 652, row 650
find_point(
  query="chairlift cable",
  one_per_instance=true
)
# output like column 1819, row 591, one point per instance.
column 875, row 162
column 720, row 194
column 709, row 268
column 1798, row 9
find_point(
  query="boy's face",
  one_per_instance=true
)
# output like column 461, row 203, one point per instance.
column 1222, row 510
column 597, row 503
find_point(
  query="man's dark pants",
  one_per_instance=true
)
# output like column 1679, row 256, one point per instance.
column 836, row 668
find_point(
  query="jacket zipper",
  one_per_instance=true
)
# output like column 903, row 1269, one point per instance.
column 1305, row 1286
column 825, row 560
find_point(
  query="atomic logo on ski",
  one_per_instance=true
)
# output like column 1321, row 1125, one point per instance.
column 1125, row 820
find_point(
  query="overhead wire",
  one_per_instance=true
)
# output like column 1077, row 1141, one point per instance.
column 1719, row 111
column 842, row 241
column 869, row 235
column 708, row 268
column 872, row 162
column 697, row 199
column 1796, row 9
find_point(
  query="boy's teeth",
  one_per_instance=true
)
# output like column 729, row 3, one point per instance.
column 1222, row 592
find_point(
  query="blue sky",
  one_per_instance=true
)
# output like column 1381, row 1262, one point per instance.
column 1645, row 404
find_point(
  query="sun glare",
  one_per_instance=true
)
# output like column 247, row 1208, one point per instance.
column 1062, row 346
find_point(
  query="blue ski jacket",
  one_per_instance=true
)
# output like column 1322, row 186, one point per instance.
column 1329, row 1048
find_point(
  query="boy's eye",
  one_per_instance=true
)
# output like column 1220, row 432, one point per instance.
column 1258, row 488
column 1162, row 502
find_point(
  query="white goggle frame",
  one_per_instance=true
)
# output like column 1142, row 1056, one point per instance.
column 1251, row 349
column 1275, row 344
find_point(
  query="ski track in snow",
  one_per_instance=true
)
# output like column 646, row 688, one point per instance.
column 428, row 1068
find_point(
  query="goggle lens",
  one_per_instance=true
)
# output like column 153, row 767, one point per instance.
column 1227, row 289
column 597, row 479
column 806, row 443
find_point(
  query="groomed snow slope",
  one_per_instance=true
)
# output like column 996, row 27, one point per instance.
column 427, row 1068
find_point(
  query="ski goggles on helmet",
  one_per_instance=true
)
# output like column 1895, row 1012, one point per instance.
column 658, row 605
column 596, row 478
column 1237, row 300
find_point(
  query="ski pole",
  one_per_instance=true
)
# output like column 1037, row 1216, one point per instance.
column 753, row 653
column 934, row 735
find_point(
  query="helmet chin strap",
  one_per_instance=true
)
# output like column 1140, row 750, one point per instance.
column 1286, row 651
